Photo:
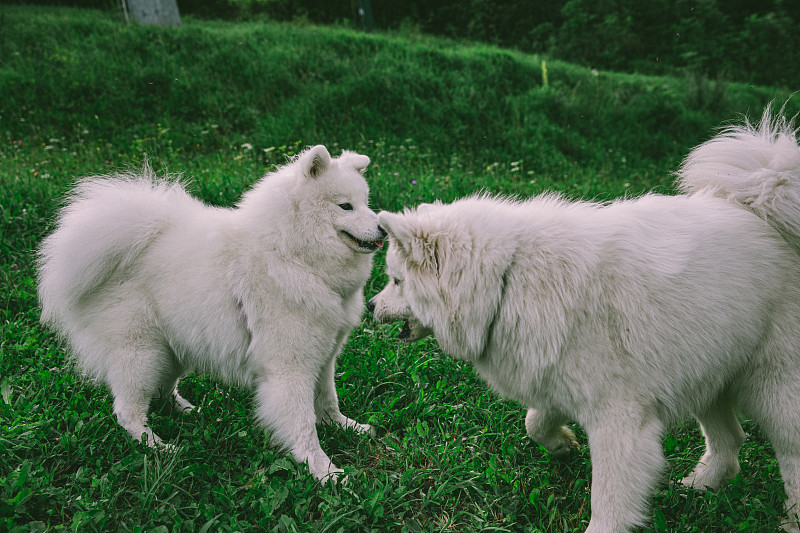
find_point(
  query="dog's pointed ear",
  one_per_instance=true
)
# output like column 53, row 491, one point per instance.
column 397, row 226
column 416, row 243
column 315, row 161
column 357, row 161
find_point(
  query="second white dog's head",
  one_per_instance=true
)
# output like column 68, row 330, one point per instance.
column 445, row 263
column 391, row 305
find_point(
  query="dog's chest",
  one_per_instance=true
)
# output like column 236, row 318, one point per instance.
column 521, row 380
column 347, row 283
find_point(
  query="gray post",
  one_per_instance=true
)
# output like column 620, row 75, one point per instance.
column 153, row 12
column 365, row 13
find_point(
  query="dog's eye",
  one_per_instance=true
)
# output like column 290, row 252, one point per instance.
column 346, row 207
column 397, row 281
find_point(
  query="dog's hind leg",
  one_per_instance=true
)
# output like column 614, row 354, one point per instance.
column 789, row 461
column 130, row 409
column 171, row 373
column 179, row 403
column 137, row 377
column 781, row 427
column 774, row 403
column 544, row 427
column 627, row 461
column 770, row 395
column 724, row 437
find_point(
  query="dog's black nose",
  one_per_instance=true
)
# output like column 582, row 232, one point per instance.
column 371, row 305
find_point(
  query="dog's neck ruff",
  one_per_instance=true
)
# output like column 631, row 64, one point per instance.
column 490, row 332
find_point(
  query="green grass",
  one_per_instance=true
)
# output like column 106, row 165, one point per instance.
column 224, row 103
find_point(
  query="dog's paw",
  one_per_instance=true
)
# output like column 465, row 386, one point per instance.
column 159, row 445
column 349, row 423
column 366, row 428
column 711, row 475
column 322, row 468
column 556, row 440
column 561, row 442
column 168, row 447
column 334, row 476
column 181, row 405
column 703, row 481
column 791, row 525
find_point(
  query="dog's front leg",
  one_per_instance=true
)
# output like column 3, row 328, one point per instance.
column 286, row 407
column 627, row 460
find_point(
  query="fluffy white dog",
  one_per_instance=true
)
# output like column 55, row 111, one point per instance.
column 626, row 316
column 146, row 283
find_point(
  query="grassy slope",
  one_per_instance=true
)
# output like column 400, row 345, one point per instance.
column 81, row 93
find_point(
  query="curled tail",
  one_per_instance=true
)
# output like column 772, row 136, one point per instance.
column 105, row 223
column 754, row 166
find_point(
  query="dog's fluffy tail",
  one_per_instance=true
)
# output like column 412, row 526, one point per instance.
column 755, row 166
column 105, row 223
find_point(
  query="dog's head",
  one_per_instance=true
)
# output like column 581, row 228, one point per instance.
column 391, row 305
column 445, row 264
column 326, row 200
column 341, row 193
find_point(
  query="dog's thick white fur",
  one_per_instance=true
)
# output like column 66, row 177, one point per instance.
column 626, row 316
column 146, row 282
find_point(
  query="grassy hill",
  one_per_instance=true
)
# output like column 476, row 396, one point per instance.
column 83, row 93
column 271, row 84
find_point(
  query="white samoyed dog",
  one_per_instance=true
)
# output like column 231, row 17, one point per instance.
column 146, row 283
column 626, row 316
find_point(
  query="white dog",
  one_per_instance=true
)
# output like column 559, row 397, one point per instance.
column 626, row 316
column 146, row 283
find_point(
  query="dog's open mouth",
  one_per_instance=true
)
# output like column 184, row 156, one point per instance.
column 359, row 245
column 405, row 332
column 413, row 331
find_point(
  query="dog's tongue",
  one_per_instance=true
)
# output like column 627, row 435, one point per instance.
column 378, row 244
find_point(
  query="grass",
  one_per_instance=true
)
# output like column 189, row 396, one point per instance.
column 223, row 103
